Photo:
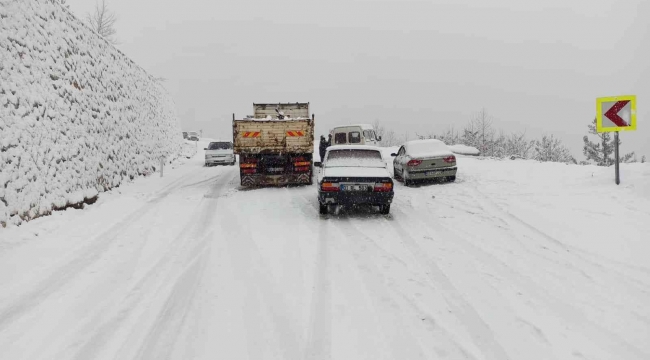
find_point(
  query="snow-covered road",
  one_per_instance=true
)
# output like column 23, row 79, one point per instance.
column 516, row 260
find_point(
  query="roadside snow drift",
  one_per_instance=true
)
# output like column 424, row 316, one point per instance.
column 77, row 116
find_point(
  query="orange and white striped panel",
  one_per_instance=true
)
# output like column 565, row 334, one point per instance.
column 251, row 134
column 293, row 133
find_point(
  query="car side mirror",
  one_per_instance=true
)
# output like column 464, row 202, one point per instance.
column 318, row 164
column 205, row 148
column 393, row 154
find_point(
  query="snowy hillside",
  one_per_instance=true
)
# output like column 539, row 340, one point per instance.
column 77, row 117
column 515, row 260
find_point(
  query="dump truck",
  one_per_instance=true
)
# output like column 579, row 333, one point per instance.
column 275, row 145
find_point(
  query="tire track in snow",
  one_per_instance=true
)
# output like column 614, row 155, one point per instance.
column 319, row 338
column 545, row 302
column 85, row 257
column 479, row 331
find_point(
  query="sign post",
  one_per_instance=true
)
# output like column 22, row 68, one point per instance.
column 614, row 114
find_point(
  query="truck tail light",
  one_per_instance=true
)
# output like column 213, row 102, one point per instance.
column 450, row 159
column 301, row 163
column 301, row 168
column 414, row 162
column 383, row 187
column 330, row 186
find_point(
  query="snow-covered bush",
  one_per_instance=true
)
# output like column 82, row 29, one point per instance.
column 77, row 117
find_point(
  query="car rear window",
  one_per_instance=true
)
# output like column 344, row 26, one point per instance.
column 354, row 158
column 220, row 146
column 340, row 138
column 354, row 137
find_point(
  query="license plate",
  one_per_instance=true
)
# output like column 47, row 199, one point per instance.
column 354, row 187
column 433, row 172
column 275, row 169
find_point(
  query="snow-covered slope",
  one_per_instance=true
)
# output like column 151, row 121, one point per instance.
column 76, row 115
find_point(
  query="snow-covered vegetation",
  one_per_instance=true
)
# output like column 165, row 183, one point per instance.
column 77, row 117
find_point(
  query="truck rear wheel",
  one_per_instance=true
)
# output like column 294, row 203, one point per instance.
column 322, row 209
column 384, row 209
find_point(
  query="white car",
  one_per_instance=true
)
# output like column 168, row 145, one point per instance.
column 358, row 134
column 193, row 136
column 424, row 160
column 354, row 175
column 219, row 152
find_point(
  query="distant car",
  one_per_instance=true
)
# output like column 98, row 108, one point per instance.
column 219, row 152
column 184, row 134
column 193, row 136
column 424, row 159
column 354, row 175
column 358, row 134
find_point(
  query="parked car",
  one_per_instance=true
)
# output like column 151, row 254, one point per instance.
column 424, row 159
column 184, row 134
column 193, row 136
column 353, row 175
column 360, row 134
column 219, row 152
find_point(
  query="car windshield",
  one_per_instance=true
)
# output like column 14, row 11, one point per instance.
column 354, row 158
column 219, row 146
column 193, row 133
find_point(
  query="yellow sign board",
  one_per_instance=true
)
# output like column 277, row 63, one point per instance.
column 616, row 113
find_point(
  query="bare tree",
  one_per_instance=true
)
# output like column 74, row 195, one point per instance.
column 62, row 2
column 102, row 20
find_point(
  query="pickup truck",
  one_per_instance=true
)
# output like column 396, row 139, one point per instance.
column 275, row 145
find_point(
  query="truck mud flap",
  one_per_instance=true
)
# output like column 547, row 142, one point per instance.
column 275, row 180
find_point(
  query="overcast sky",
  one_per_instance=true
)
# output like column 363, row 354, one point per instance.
column 417, row 66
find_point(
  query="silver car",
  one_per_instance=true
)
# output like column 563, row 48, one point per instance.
column 424, row 160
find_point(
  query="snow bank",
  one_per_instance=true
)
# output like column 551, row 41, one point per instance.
column 77, row 117
column 464, row 150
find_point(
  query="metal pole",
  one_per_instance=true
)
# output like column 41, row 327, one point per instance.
column 162, row 166
column 618, row 177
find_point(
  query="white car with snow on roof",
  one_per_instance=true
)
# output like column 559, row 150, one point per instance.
column 354, row 175
column 219, row 152
column 424, row 160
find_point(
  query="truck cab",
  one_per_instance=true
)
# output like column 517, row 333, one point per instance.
column 357, row 134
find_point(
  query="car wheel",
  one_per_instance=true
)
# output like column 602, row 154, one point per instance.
column 395, row 175
column 384, row 209
column 322, row 209
column 451, row 178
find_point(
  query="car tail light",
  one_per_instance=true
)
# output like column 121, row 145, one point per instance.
column 450, row 159
column 247, row 165
column 414, row 162
column 383, row 187
column 329, row 186
column 249, row 171
column 302, row 168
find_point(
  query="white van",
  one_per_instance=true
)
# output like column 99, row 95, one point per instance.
column 219, row 152
column 358, row 134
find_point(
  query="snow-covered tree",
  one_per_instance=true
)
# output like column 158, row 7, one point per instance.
column 550, row 148
column 62, row 2
column 102, row 20
column 601, row 152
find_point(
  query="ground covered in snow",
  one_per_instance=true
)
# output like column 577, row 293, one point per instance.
column 515, row 260
column 77, row 117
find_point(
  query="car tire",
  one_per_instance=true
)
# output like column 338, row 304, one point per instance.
column 397, row 177
column 407, row 182
column 322, row 209
column 384, row 209
column 451, row 178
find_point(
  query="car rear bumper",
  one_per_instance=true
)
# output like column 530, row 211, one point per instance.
column 355, row 198
column 433, row 173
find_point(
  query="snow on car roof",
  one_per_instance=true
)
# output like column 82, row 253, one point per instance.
column 363, row 126
column 427, row 147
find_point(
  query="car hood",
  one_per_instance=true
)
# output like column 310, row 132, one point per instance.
column 355, row 172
